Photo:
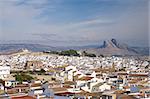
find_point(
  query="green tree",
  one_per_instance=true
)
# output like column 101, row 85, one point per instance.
column 23, row 77
column 88, row 54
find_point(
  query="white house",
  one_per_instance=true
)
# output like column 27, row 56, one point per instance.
column 96, row 87
column 70, row 72
column 11, row 83
column 103, row 87
column 4, row 71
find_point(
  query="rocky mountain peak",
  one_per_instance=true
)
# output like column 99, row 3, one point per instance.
column 110, row 44
column 114, row 41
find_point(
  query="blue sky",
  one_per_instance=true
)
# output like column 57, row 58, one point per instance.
column 74, row 22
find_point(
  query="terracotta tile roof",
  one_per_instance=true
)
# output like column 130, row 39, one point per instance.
column 23, row 97
column 67, row 86
column 65, row 93
column 119, row 92
column 126, row 97
column 85, row 78
column 70, row 82
column 85, row 93
column 133, row 81
column 138, row 75
column 21, row 86
column 35, row 84
column 126, row 87
column 54, row 83
column 59, row 90
column 11, row 91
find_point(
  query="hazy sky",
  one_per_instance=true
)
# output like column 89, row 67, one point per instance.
column 74, row 22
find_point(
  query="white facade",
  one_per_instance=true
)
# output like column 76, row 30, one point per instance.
column 104, row 87
column 39, row 91
column 4, row 71
column 10, row 83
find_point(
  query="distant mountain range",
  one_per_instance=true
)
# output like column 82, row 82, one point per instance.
column 33, row 47
column 109, row 47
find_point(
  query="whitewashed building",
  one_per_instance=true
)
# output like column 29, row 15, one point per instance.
column 4, row 71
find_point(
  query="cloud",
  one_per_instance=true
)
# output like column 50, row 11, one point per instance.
column 91, row 23
column 74, row 21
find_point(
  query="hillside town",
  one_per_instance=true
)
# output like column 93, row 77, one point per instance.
column 74, row 49
column 38, row 75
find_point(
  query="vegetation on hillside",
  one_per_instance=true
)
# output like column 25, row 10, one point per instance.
column 65, row 53
column 69, row 53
